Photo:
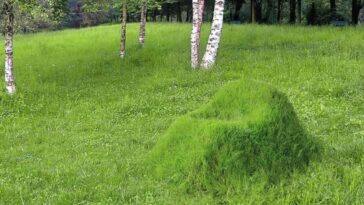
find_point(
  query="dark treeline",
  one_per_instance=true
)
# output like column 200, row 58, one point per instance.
column 82, row 13
column 312, row 12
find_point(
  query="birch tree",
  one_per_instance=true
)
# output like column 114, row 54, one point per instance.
column 143, row 18
column 8, row 10
column 123, row 30
column 197, row 18
column 215, row 34
column 52, row 9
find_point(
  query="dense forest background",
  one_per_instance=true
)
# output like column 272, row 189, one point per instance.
column 83, row 13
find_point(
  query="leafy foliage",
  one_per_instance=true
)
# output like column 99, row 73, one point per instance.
column 36, row 15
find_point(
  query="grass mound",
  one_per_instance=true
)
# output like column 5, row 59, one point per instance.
column 247, row 128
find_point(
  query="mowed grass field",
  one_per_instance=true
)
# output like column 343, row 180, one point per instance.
column 83, row 121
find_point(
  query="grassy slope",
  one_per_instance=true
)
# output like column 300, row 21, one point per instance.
column 84, row 120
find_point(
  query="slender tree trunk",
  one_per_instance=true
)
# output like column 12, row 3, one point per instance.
column 214, row 39
column 161, row 14
column 197, row 17
column 238, row 5
column 231, row 12
column 253, row 5
column 179, row 12
column 258, row 11
column 333, row 9
column 273, row 12
column 269, row 12
column 123, row 31
column 311, row 17
column 167, row 12
column 279, row 12
column 292, row 11
column 154, row 16
column 355, row 8
column 143, row 14
column 299, row 12
column 9, row 32
column 188, row 13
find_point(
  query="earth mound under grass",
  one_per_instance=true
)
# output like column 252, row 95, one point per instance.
column 247, row 128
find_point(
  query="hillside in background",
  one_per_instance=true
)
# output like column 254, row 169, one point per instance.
column 84, row 121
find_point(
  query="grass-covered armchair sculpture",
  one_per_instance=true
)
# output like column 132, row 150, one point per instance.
column 247, row 128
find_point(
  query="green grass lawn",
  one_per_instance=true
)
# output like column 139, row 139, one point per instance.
column 83, row 121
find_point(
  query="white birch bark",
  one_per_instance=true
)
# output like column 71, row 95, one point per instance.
column 215, row 34
column 123, row 31
column 143, row 18
column 197, row 18
column 9, row 32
